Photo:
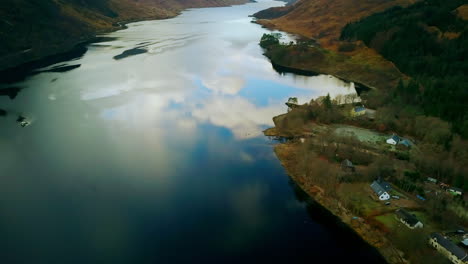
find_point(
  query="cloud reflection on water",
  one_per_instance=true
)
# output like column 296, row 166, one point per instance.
column 155, row 150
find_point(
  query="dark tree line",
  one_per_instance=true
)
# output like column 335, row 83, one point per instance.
column 428, row 42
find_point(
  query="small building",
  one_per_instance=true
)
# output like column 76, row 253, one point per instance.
column 347, row 165
column 433, row 180
column 405, row 142
column 410, row 220
column 393, row 140
column 380, row 191
column 387, row 187
column 358, row 111
column 455, row 191
column 465, row 242
column 454, row 253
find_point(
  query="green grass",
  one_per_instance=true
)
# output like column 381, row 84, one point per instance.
column 353, row 193
column 429, row 225
column 367, row 205
column 389, row 221
column 363, row 135
column 397, row 193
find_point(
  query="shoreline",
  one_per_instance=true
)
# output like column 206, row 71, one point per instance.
column 330, row 218
column 360, row 87
column 315, row 60
column 367, row 233
column 9, row 65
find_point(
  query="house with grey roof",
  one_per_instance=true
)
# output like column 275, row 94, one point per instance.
column 454, row 253
column 409, row 219
column 380, row 190
column 387, row 187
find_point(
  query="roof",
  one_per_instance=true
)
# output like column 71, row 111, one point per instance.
column 456, row 189
column 450, row 246
column 378, row 189
column 405, row 142
column 347, row 163
column 407, row 217
column 396, row 138
column 465, row 242
column 387, row 187
column 359, row 109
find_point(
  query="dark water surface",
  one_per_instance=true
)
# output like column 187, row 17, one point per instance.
column 158, row 157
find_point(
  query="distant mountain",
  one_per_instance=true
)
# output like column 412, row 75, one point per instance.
column 274, row 12
column 30, row 29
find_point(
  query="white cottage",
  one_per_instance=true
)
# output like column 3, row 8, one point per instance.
column 380, row 191
column 410, row 220
column 393, row 140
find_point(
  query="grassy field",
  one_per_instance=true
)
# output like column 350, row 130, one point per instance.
column 390, row 221
column 364, row 135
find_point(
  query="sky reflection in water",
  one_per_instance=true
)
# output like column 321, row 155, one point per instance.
column 138, row 159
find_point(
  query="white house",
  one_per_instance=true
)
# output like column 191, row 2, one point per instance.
column 380, row 191
column 455, row 191
column 410, row 220
column 393, row 140
column 433, row 180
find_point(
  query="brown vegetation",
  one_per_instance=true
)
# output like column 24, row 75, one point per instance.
column 462, row 12
column 33, row 29
column 314, row 163
column 322, row 175
column 323, row 20
column 354, row 63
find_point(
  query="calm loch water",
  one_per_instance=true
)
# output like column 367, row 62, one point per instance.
column 149, row 150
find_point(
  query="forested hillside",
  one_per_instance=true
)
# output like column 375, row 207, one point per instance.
column 429, row 42
column 31, row 29
column 323, row 20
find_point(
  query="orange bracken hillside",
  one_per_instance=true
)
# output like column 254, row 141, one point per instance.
column 324, row 19
column 462, row 12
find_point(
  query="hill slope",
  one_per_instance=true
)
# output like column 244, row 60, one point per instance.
column 425, row 40
column 429, row 42
column 30, row 29
column 324, row 19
